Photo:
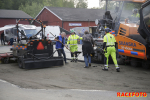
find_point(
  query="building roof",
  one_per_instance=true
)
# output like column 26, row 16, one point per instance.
column 81, row 14
column 75, row 14
column 17, row 14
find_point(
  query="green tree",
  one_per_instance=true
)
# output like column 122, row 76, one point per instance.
column 127, row 6
column 130, row 6
column 61, row 3
column 82, row 4
column 32, row 9
column 14, row 4
column 111, row 5
column 69, row 4
column 5, row 4
column 95, row 8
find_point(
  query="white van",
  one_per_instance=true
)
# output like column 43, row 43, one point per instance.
column 10, row 31
column 55, row 30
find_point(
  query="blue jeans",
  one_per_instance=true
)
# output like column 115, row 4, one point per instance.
column 87, row 59
column 61, row 51
column 80, row 41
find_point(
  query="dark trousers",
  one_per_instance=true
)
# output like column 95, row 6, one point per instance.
column 2, row 41
column 60, row 52
column 72, row 55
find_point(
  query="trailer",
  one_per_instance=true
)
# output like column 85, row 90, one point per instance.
column 5, row 57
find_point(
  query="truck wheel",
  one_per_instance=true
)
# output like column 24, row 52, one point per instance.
column 145, row 64
column 6, row 60
column 120, row 61
column 93, row 60
column 99, row 57
column 20, row 63
column 134, row 62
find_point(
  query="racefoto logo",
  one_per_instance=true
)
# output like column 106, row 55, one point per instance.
column 131, row 94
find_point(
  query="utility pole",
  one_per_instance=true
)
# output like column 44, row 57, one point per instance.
column 106, row 4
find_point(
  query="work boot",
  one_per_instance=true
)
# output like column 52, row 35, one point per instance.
column 72, row 60
column 105, row 69
column 86, row 67
column 89, row 64
column 76, row 60
column 118, row 69
column 66, row 63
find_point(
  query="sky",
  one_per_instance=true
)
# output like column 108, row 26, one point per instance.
column 93, row 3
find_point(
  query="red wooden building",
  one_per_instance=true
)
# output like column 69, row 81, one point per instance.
column 10, row 16
column 68, row 18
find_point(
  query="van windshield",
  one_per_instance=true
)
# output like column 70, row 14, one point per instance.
column 30, row 31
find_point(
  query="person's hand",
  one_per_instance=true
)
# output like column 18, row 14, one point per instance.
column 66, row 46
column 55, row 39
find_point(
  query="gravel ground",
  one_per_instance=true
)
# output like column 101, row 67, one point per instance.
column 74, row 76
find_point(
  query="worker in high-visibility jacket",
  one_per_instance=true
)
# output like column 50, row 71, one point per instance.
column 109, row 43
column 135, row 13
column 73, row 43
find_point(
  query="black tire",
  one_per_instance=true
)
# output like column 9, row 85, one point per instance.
column 120, row 61
column 6, row 60
column 93, row 60
column 145, row 64
column 20, row 63
column 134, row 62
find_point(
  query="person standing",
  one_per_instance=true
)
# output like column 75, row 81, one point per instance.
column 135, row 13
column 109, row 43
column 59, row 40
column 2, row 39
column 87, row 48
column 73, row 42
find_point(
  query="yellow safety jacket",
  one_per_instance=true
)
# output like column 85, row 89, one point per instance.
column 109, row 39
column 72, row 40
column 137, row 15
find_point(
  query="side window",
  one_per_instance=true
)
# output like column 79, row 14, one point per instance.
column 7, row 31
column 146, row 16
column 15, row 31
